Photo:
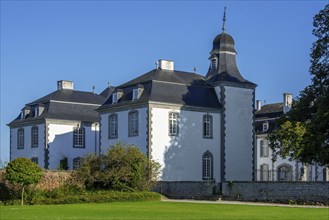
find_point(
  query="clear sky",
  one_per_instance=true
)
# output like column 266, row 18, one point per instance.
column 93, row 42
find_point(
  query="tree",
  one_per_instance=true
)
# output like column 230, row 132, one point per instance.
column 123, row 167
column 24, row 172
column 310, row 110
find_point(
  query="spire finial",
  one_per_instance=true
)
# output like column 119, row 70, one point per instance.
column 108, row 84
column 224, row 20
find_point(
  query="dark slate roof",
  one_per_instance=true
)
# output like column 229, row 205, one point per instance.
column 68, row 95
column 232, row 77
column 174, row 87
column 223, row 42
column 77, row 105
column 268, row 113
column 274, row 110
column 107, row 92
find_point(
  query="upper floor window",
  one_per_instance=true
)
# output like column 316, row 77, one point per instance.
column 113, row 126
column 173, row 123
column 133, row 123
column 78, row 137
column 20, row 138
column 207, row 166
column 265, row 126
column 76, row 163
column 264, row 149
column 207, row 126
column 34, row 136
column 35, row 160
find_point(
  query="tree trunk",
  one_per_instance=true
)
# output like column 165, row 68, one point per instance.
column 22, row 201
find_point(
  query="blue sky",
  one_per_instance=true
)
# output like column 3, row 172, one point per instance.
column 93, row 42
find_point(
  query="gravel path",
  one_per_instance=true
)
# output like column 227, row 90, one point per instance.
column 242, row 203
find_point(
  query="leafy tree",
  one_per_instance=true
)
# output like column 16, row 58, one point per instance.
column 123, row 167
column 24, row 172
column 310, row 110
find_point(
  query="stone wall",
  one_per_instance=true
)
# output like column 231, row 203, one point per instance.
column 187, row 189
column 283, row 192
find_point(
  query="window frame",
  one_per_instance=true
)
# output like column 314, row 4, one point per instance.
column 173, row 124
column 207, row 134
column 76, row 160
column 80, row 138
column 207, row 166
column 20, row 138
column 264, row 148
column 112, row 135
column 264, row 172
column 34, row 136
column 35, row 160
column 133, row 123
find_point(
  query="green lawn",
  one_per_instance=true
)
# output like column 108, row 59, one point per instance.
column 160, row 210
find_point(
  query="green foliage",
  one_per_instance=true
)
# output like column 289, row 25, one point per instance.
column 23, row 172
column 123, row 168
column 311, row 108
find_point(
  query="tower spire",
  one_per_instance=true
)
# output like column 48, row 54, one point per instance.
column 224, row 20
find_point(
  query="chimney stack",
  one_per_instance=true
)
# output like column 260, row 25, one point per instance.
column 287, row 102
column 64, row 84
column 166, row 65
column 258, row 105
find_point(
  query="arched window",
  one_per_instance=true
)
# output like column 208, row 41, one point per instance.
column 113, row 126
column 264, row 172
column 207, row 166
column 76, row 163
column 285, row 172
column 20, row 138
column 207, row 126
column 173, row 123
column 34, row 136
column 78, row 137
column 133, row 123
column 35, row 160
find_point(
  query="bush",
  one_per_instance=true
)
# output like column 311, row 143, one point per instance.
column 123, row 168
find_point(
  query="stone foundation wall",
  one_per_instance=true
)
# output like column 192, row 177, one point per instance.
column 284, row 192
column 187, row 189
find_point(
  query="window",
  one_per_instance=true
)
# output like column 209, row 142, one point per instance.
column 36, row 112
column 207, row 166
column 265, row 126
column 135, row 94
column 76, row 163
column 78, row 137
column 113, row 126
column 133, row 123
column 114, row 98
column 34, row 136
column 20, row 138
column 214, row 63
column 173, row 124
column 264, row 149
column 264, row 172
column 285, row 172
column 207, row 126
column 35, row 160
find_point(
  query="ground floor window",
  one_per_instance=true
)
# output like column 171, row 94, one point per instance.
column 76, row 163
column 207, row 166
column 285, row 172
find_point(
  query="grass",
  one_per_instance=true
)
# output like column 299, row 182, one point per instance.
column 160, row 210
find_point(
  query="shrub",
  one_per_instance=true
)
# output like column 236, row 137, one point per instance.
column 123, row 168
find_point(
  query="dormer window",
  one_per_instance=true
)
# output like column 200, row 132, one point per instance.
column 22, row 114
column 135, row 94
column 36, row 112
column 114, row 98
column 265, row 126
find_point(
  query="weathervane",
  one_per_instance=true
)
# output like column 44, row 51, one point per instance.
column 224, row 19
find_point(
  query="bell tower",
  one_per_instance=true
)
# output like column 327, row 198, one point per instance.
column 236, row 96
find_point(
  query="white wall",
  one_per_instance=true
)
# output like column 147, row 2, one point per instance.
column 238, row 133
column 181, row 157
column 140, row 140
column 28, row 151
column 60, row 141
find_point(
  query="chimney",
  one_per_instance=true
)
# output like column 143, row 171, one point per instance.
column 258, row 105
column 287, row 102
column 64, row 84
column 166, row 65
